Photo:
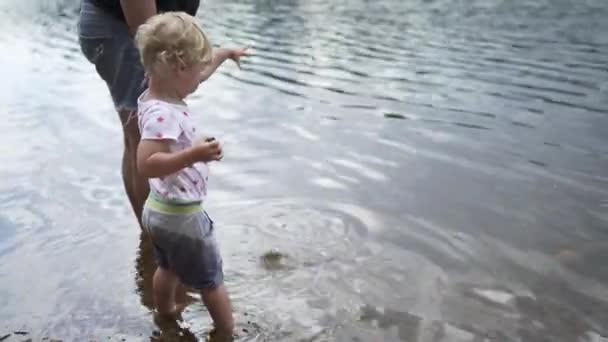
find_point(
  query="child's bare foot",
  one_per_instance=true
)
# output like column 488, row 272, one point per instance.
column 216, row 336
column 173, row 315
column 171, row 322
column 165, row 320
column 171, row 327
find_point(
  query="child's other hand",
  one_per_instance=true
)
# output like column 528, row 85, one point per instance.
column 209, row 150
column 236, row 54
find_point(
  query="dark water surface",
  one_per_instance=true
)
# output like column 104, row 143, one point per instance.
column 433, row 171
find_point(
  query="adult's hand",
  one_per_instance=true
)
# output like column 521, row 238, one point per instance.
column 137, row 12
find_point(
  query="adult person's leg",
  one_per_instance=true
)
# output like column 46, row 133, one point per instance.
column 136, row 187
column 107, row 43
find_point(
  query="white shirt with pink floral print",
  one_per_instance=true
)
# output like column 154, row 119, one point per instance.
column 160, row 120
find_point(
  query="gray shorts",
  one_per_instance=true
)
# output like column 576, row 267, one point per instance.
column 184, row 243
column 107, row 43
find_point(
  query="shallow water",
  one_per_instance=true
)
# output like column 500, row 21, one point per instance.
column 430, row 171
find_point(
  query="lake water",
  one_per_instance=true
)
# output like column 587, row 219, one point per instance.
column 431, row 170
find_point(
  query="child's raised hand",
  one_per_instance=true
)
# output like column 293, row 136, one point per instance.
column 236, row 54
column 209, row 149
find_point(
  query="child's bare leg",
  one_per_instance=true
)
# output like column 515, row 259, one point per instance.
column 164, row 285
column 182, row 298
column 220, row 309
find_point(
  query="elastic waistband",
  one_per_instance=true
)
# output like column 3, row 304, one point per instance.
column 160, row 205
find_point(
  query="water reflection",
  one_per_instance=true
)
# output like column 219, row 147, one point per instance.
column 145, row 267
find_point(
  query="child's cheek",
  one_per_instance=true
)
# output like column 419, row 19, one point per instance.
column 194, row 84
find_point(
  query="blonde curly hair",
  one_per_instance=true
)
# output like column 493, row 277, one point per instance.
column 171, row 39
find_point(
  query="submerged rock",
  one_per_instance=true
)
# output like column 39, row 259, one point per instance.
column 274, row 259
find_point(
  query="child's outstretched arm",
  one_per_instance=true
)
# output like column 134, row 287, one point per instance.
column 220, row 56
